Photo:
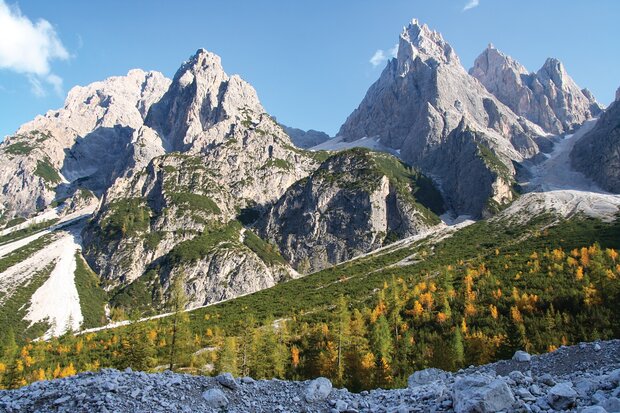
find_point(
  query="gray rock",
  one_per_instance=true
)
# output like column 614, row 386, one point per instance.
column 426, row 376
column 594, row 409
column 612, row 405
column 215, row 398
column 521, row 356
column 550, row 98
column 421, row 98
column 341, row 405
column 481, row 394
column 597, row 154
column 347, row 207
column 247, row 380
column 227, row 380
column 318, row 390
column 305, row 139
column 562, row 396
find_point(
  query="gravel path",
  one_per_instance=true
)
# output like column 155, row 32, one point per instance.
column 583, row 378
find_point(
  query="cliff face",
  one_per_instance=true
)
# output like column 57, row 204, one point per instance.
column 597, row 154
column 424, row 95
column 355, row 202
column 550, row 97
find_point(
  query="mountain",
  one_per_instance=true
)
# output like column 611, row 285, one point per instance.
column 305, row 139
column 355, row 202
column 177, row 216
column 550, row 97
column 421, row 106
column 597, row 155
column 83, row 144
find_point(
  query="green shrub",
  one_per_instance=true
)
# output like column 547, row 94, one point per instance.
column 92, row 296
column 46, row 171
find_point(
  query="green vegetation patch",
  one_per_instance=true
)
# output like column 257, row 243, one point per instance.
column 188, row 200
column 14, row 309
column 29, row 230
column 200, row 246
column 267, row 252
column 142, row 295
column 493, row 162
column 19, row 148
column 46, row 171
column 92, row 296
column 126, row 217
column 278, row 163
column 24, row 252
column 15, row 221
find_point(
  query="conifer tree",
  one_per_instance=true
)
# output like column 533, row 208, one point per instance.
column 227, row 357
column 179, row 335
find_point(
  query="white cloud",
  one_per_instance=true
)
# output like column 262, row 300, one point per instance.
column 381, row 56
column 471, row 4
column 28, row 47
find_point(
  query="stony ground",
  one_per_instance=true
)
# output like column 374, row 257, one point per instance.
column 583, row 378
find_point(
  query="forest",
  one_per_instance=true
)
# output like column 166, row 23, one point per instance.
column 449, row 309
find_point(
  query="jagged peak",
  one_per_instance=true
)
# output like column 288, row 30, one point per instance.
column 493, row 59
column 202, row 61
column 618, row 95
column 418, row 40
column 554, row 70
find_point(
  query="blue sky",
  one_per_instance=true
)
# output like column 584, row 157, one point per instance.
column 309, row 61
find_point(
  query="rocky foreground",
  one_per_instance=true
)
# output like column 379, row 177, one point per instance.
column 583, row 378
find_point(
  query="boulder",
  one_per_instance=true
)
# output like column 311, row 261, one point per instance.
column 215, row 398
column 594, row 409
column 562, row 396
column 612, row 404
column 426, row 376
column 318, row 390
column 227, row 380
column 481, row 394
column 521, row 356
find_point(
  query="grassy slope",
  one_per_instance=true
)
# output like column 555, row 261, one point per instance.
column 317, row 293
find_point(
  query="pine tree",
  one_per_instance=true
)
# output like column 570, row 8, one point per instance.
column 227, row 357
column 247, row 344
column 381, row 340
column 343, row 331
column 136, row 347
column 179, row 335
column 458, row 349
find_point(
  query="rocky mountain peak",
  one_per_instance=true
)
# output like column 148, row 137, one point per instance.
column 492, row 63
column 553, row 69
column 550, row 97
column 618, row 94
column 201, row 96
column 418, row 40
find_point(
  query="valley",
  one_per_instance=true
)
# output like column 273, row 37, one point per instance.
column 458, row 217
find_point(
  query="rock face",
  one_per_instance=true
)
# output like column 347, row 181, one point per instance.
column 85, row 143
column 597, row 154
column 306, row 139
column 550, row 97
column 355, row 202
column 176, row 216
column 421, row 97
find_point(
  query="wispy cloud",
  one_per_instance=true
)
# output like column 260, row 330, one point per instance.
column 381, row 56
column 28, row 47
column 471, row 4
